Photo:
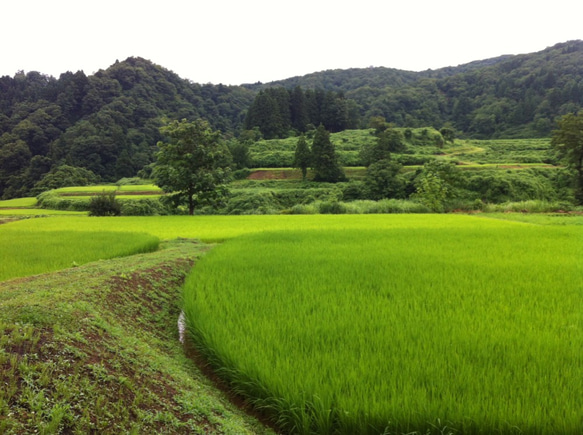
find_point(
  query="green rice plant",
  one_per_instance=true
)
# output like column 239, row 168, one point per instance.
column 37, row 212
column 30, row 252
column 221, row 228
column 466, row 325
column 85, row 190
column 18, row 203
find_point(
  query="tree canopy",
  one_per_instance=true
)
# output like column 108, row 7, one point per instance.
column 109, row 122
column 324, row 159
column 193, row 166
column 302, row 156
column 568, row 142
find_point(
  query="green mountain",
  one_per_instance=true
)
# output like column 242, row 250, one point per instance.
column 108, row 122
column 506, row 96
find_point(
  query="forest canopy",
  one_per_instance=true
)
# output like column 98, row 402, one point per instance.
column 108, row 123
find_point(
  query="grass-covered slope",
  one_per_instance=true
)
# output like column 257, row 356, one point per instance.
column 95, row 349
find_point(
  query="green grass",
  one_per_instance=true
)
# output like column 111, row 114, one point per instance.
column 418, row 327
column 18, row 202
column 220, row 228
column 95, row 349
column 84, row 197
column 541, row 218
column 349, row 143
column 91, row 334
column 108, row 188
column 32, row 212
column 29, row 252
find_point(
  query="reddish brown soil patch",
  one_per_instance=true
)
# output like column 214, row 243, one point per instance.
column 136, row 193
column 275, row 174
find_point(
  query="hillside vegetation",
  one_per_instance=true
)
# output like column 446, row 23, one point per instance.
column 105, row 126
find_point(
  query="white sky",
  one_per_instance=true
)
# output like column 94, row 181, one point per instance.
column 245, row 41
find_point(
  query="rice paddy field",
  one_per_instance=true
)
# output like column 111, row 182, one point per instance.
column 31, row 252
column 424, row 329
column 344, row 324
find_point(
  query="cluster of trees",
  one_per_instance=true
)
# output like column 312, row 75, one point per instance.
column 509, row 96
column 321, row 157
column 277, row 111
column 107, row 123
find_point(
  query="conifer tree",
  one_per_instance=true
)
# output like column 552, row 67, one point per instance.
column 325, row 161
column 303, row 156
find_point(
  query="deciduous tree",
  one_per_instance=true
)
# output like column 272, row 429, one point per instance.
column 193, row 166
column 567, row 140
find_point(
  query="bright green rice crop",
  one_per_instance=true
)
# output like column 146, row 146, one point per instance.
column 220, row 228
column 38, row 212
column 18, row 202
column 448, row 323
column 109, row 188
column 29, row 252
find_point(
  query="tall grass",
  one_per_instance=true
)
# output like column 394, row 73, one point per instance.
column 475, row 329
column 30, row 252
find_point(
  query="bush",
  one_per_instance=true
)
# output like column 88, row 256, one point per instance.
column 304, row 209
column 353, row 190
column 332, row 207
column 253, row 203
column 104, row 204
column 143, row 207
column 133, row 181
column 241, row 174
column 532, row 206
column 51, row 200
column 65, row 176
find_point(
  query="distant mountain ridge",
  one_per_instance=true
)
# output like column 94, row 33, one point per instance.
column 506, row 96
column 372, row 76
column 108, row 122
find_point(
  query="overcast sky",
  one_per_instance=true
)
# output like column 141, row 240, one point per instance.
column 245, row 41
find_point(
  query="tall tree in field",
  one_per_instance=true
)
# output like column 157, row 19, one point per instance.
column 193, row 167
column 324, row 159
column 303, row 156
column 568, row 142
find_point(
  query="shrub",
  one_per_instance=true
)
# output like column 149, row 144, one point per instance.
column 51, row 200
column 332, row 207
column 133, row 181
column 353, row 191
column 241, row 174
column 65, row 176
column 104, row 204
column 253, row 203
column 304, row 209
column 143, row 207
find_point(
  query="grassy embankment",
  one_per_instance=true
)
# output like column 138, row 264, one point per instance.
column 94, row 349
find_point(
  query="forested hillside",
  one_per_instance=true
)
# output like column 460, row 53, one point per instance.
column 106, row 123
column 507, row 96
column 105, row 126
